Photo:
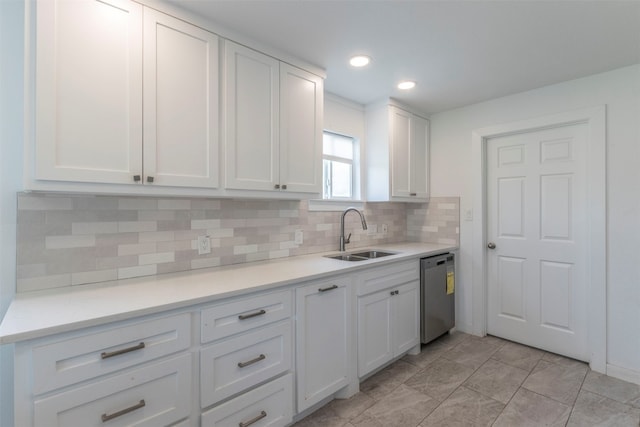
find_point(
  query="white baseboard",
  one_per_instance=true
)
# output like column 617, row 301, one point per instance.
column 623, row 374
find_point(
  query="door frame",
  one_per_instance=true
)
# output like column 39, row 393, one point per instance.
column 596, row 286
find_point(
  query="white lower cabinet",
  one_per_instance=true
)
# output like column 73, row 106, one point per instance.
column 149, row 372
column 134, row 373
column 270, row 405
column 231, row 366
column 155, row 395
column 323, row 339
column 388, row 318
column 247, row 355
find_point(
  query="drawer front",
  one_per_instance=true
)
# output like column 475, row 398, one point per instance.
column 153, row 395
column 76, row 359
column 270, row 405
column 380, row 278
column 224, row 320
column 233, row 365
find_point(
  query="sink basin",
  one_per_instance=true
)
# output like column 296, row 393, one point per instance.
column 360, row 256
column 372, row 254
column 347, row 257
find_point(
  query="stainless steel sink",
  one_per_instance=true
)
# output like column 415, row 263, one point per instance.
column 360, row 256
column 372, row 254
column 347, row 257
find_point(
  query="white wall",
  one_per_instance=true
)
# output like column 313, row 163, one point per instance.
column 451, row 170
column 11, row 131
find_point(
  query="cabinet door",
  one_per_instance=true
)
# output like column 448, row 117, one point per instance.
column 270, row 405
column 375, row 346
column 322, row 337
column 401, row 133
column 180, row 103
column 251, row 119
column 88, row 120
column 301, row 101
column 152, row 395
column 406, row 317
column 420, row 158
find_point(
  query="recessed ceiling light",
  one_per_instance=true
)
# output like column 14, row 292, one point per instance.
column 406, row 85
column 359, row 61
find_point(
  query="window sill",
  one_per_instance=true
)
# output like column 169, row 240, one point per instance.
column 327, row 205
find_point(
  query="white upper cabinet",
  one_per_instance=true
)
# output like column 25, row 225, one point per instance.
column 251, row 110
column 88, row 107
column 397, row 154
column 129, row 100
column 273, row 124
column 301, row 104
column 181, row 128
column 90, row 91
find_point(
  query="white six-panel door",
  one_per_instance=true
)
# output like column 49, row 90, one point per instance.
column 536, row 201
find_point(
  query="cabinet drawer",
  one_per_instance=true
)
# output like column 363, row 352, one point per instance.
column 387, row 276
column 233, row 365
column 154, row 395
column 270, row 405
column 68, row 361
column 224, row 320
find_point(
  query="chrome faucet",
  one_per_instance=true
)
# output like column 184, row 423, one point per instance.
column 344, row 241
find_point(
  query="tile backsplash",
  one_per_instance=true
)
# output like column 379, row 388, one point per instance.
column 65, row 240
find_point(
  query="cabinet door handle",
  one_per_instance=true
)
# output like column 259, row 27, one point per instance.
column 329, row 288
column 284, row 186
column 136, row 178
column 250, row 315
column 106, row 355
column 108, row 417
column 397, row 292
column 149, row 179
column 277, row 186
column 413, row 194
column 252, row 361
column 392, row 292
column 253, row 420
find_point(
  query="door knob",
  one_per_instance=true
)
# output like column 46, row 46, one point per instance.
column 491, row 245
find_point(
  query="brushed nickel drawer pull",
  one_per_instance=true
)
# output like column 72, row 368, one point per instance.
column 251, row 362
column 330, row 288
column 106, row 355
column 250, row 315
column 138, row 405
column 253, row 420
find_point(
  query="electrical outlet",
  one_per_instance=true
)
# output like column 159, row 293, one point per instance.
column 385, row 228
column 372, row 229
column 298, row 237
column 204, row 245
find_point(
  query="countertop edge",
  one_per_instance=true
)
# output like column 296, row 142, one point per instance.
column 95, row 305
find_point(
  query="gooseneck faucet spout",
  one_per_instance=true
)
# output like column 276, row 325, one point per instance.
column 343, row 240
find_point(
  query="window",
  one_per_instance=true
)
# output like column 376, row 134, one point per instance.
column 338, row 156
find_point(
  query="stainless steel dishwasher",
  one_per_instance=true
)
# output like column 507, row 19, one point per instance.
column 437, row 291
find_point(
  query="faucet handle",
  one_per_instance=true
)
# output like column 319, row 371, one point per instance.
column 348, row 239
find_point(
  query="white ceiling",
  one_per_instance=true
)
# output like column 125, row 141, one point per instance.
column 459, row 52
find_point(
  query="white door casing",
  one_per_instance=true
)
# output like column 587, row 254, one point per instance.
column 536, row 202
column 593, row 121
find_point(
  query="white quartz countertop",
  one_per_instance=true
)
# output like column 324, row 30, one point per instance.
column 37, row 314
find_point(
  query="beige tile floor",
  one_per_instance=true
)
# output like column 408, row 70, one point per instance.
column 462, row 380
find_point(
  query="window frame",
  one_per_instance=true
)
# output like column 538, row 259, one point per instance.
column 353, row 162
